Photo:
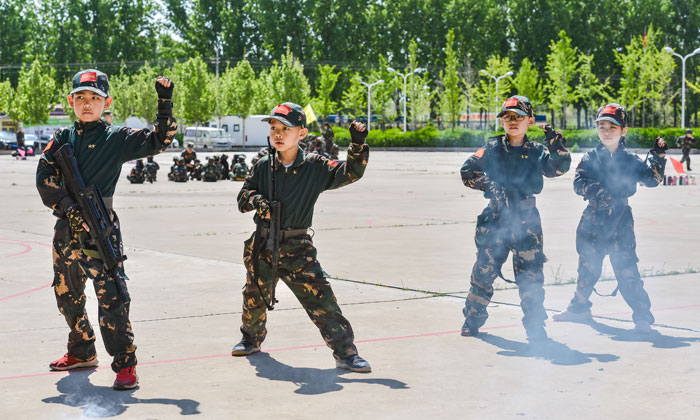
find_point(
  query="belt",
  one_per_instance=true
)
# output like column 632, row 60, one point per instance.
column 599, row 204
column 522, row 204
column 286, row 234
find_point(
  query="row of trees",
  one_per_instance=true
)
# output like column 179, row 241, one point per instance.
column 566, row 82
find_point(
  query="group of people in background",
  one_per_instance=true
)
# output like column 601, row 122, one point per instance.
column 188, row 167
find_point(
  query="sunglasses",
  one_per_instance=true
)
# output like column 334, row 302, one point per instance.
column 509, row 118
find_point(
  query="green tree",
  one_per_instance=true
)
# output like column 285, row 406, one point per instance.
column 62, row 95
column 527, row 83
column 562, row 68
column 418, row 90
column 193, row 97
column 7, row 94
column 486, row 94
column 589, row 90
column 323, row 103
column 239, row 85
column 35, row 94
column 451, row 99
column 355, row 98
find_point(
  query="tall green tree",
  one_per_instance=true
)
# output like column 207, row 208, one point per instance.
column 193, row 98
column 323, row 102
column 487, row 94
column 355, row 98
column 35, row 94
column 562, row 67
column 589, row 90
column 451, row 99
column 527, row 83
column 238, row 85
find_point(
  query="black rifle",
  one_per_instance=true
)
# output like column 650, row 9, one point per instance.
column 93, row 210
column 273, row 233
column 273, row 239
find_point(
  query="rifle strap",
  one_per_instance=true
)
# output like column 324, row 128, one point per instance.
column 614, row 292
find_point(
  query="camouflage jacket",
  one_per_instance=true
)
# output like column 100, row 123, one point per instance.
column 299, row 186
column 519, row 168
column 616, row 174
column 100, row 150
column 685, row 143
column 189, row 157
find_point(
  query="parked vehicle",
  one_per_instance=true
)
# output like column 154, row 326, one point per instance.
column 206, row 137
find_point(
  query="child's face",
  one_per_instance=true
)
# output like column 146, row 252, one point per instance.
column 88, row 105
column 610, row 134
column 285, row 138
column 516, row 125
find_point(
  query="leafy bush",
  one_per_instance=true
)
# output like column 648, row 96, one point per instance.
column 430, row 136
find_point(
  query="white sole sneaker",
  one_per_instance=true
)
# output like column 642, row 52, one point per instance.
column 89, row 363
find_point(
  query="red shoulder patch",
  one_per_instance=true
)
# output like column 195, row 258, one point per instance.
column 479, row 153
column 332, row 163
column 48, row 146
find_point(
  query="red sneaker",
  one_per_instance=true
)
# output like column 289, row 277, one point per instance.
column 126, row 379
column 68, row 362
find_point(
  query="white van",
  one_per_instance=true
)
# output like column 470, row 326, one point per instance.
column 206, row 137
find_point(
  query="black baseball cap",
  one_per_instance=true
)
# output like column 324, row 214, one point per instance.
column 92, row 80
column 521, row 105
column 615, row 113
column 289, row 114
column 688, row 131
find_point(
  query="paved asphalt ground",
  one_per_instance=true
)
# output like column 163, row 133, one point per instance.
column 399, row 246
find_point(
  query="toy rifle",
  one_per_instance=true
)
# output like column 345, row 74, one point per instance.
column 92, row 208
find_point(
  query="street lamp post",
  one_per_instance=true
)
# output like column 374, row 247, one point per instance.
column 369, row 98
column 405, row 77
column 697, row 51
column 497, row 79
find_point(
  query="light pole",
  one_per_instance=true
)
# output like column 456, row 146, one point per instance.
column 405, row 77
column 369, row 97
column 497, row 79
column 697, row 51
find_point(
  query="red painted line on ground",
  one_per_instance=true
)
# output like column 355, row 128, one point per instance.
column 313, row 346
column 26, row 292
column 27, row 249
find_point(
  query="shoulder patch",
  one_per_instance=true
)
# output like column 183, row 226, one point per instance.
column 479, row 153
column 331, row 162
column 48, row 146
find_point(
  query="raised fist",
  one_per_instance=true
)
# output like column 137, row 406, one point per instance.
column 164, row 88
column 358, row 132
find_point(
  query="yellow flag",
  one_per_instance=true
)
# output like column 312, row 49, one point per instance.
column 310, row 116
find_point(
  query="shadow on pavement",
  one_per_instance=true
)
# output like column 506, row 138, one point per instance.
column 554, row 351
column 102, row 401
column 311, row 381
column 656, row 339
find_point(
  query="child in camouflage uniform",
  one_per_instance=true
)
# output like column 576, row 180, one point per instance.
column 509, row 171
column 606, row 177
column 301, row 178
column 100, row 150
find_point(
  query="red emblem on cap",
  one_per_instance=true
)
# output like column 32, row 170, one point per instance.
column 609, row 110
column 282, row 109
column 90, row 76
column 511, row 103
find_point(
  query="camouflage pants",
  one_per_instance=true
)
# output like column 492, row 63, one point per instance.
column 495, row 238
column 302, row 273
column 71, row 270
column 686, row 159
column 621, row 247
